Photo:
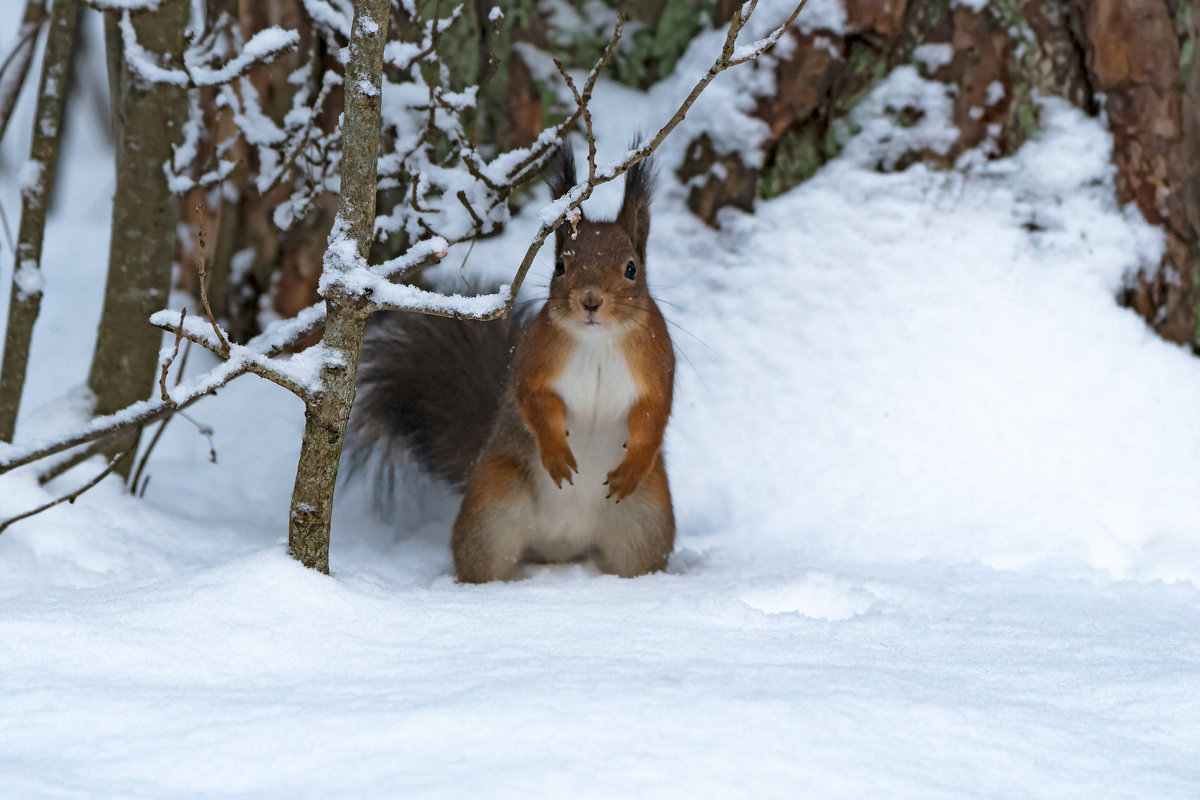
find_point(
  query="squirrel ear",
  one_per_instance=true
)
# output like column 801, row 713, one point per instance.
column 635, row 210
column 560, row 178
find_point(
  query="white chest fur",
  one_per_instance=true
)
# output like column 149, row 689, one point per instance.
column 598, row 391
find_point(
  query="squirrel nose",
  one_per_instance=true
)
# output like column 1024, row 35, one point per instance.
column 591, row 299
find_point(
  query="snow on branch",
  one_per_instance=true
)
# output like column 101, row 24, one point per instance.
column 132, row 417
column 124, row 5
column 264, row 47
column 299, row 374
column 749, row 52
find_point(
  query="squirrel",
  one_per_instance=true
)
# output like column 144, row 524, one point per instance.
column 552, row 425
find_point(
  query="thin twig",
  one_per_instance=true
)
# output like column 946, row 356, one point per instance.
column 73, row 496
column 534, row 158
column 204, row 429
column 585, row 110
column 124, row 420
column 166, row 364
column 74, row 460
column 204, row 289
column 137, row 472
column 723, row 62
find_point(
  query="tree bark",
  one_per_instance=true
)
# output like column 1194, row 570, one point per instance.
column 1141, row 55
column 26, row 294
column 17, row 60
column 147, row 119
column 326, row 415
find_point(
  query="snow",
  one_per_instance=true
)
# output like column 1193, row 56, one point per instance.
column 30, row 176
column 28, row 278
column 936, row 501
column 262, row 47
column 125, row 5
column 934, row 55
column 883, row 138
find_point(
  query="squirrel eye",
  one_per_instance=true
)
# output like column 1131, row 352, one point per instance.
column 559, row 266
column 631, row 270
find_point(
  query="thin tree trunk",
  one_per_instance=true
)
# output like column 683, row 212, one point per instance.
column 146, row 119
column 26, row 296
column 326, row 415
column 16, row 62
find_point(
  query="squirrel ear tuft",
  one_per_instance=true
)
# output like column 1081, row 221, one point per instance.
column 635, row 209
column 560, row 170
column 560, row 177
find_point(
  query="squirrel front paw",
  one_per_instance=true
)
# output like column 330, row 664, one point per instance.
column 624, row 480
column 559, row 462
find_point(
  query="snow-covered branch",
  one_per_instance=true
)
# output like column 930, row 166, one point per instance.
column 124, row 5
column 263, row 48
column 299, row 374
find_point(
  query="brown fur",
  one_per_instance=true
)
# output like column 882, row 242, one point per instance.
column 529, row 496
column 635, row 532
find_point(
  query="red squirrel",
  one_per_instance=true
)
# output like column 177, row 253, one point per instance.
column 554, row 426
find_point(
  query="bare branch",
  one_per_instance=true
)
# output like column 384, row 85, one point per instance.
column 166, row 365
column 73, row 496
column 133, row 417
column 204, row 288
column 585, row 110
column 16, row 62
column 72, row 461
column 583, row 191
column 548, row 138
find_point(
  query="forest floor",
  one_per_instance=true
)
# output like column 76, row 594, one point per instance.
column 939, row 534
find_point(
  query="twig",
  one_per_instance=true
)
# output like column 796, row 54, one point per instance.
column 204, row 288
column 73, row 496
column 137, row 473
column 204, row 430
column 534, row 158
column 584, row 109
column 74, row 460
column 134, row 417
column 166, row 364
column 462, row 198
column 20, row 57
column 723, row 62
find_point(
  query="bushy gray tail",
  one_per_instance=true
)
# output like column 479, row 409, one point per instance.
column 428, row 391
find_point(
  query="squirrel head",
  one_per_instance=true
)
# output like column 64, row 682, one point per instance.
column 599, row 278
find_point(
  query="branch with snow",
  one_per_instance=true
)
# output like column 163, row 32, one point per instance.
column 263, row 48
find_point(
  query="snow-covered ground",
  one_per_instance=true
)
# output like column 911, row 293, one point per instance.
column 939, row 533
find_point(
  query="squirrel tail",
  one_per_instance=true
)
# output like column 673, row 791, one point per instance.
column 428, row 391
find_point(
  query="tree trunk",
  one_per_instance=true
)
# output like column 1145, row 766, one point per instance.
column 146, row 118
column 326, row 415
column 26, row 294
column 1141, row 55
column 13, row 72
